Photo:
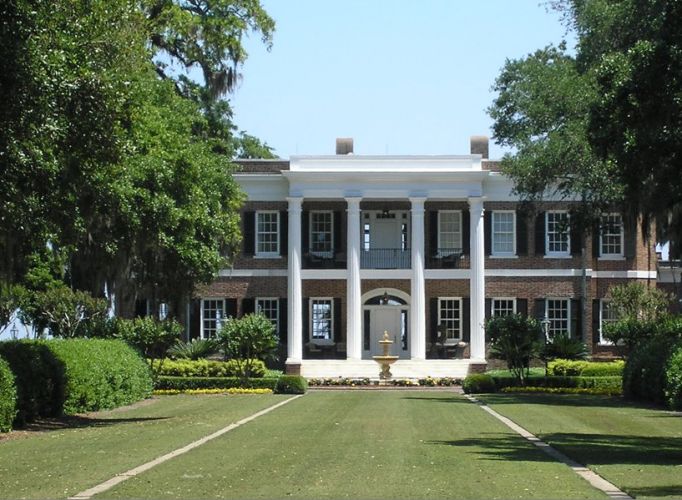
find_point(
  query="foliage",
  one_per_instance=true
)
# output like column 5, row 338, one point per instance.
column 630, row 332
column 565, row 347
column 438, row 381
column 186, row 383
column 246, row 339
column 151, row 337
column 231, row 390
column 612, row 383
column 639, row 301
column 291, row 384
column 8, row 397
column 206, row 368
column 194, row 349
column 673, row 379
column 514, row 338
column 566, row 367
column 11, row 299
column 595, row 391
column 478, row 383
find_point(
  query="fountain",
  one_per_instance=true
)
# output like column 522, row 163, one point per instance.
column 385, row 360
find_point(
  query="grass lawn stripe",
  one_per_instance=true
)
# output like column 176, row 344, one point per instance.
column 60, row 463
column 637, row 448
column 363, row 444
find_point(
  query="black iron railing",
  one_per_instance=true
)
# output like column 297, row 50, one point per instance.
column 445, row 258
column 324, row 260
column 385, row 258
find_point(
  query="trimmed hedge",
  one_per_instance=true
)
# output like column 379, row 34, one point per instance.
column 478, row 383
column 673, row 389
column 612, row 383
column 8, row 397
column 185, row 383
column 644, row 377
column 74, row 375
column 566, row 367
column 207, row 368
column 291, row 384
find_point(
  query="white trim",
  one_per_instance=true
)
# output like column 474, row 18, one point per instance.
column 506, row 255
column 459, row 338
column 329, row 252
column 492, row 304
column 249, row 273
column 267, row 255
column 613, row 256
column 312, row 340
column 625, row 274
column 562, row 254
column 602, row 341
column 569, row 329
column 201, row 314
column 376, row 292
column 461, row 227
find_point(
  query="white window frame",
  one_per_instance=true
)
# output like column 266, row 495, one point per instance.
column 568, row 316
column 602, row 322
column 492, row 304
column 492, row 232
column 202, row 330
column 271, row 254
column 258, row 309
column 443, row 252
column 326, row 253
column 313, row 340
column 560, row 254
column 452, row 341
column 612, row 256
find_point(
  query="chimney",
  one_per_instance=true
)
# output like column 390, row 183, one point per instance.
column 479, row 145
column 344, row 145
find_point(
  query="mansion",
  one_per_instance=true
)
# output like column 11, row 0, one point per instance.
column 339, row 248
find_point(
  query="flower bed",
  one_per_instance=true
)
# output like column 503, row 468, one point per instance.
column 231, row 390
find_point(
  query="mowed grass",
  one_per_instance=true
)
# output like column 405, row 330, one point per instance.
column 59, row 463
column 637, row 448
column 392, row 444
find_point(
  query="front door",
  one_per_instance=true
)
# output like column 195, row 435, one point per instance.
column 385, row 319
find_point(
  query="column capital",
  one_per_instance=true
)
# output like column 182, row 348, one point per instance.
column 294, row 200
column 474, row 200
column 353, row 199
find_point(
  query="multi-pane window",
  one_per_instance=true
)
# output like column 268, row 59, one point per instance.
column 503, row 233
column 611, row 240
column 449, row 230
column 321, row 324
column 558, row 314
column 607, row 314
column 267, row 233
column 558, row 237
column 213, row 317
column 321, row 230
column 503, row 307
column 269, row 307
column 450, row 319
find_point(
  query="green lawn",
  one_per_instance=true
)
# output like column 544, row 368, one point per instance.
column 60, row 463
column 637, row 448
column 392, row 444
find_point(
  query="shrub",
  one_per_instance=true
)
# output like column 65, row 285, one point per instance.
column 291, row 384
column 208, row 368
column 644, row 376
column 478, row 383
column 566, row 390
column 194, row 349
column 247, row 338
column 151, row 337
column 606, row 383
column 8, row 397
column 564, row 347
column 673, row 383
column 566, row 367
column 514, row 338
column 185, row 383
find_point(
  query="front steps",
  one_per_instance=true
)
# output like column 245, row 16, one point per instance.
column 401, row 369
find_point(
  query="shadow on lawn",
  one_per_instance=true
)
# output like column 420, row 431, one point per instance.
column 674, row 491
column 581, row 400
column 76, row 421
column 498, row 446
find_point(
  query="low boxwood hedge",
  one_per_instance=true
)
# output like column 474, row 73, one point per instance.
column 74, row 375
column 567, row 367
column 291, row 384
column 208, row 368
column 185, row 383
column 478, row 383
column 8, row 397
column 613, row 383
column 673, row 382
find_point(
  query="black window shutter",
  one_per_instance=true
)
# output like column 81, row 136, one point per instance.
column 596, row 232
column 595, row 321
column 305, row 310
column 521, row 233
column 249, row 220
column 248, row 306
column 630, row 237
column 466, row 323
column 337, row 320
column 339, row 244
column 432, row 240
column 540, row 233
column 283, row 232
column 576, row 316
column 522, row 306
column 540, row 311
column 283, row 321
column 305, row 229
column 488, row 229
column 230, row 308
column 488, row 308
column 365, row 330
column 575, row 235
column 194, row 318
column 433, row 313
column 466, row 232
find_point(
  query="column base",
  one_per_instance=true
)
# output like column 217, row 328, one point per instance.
column 477, row 366
column 292, row 367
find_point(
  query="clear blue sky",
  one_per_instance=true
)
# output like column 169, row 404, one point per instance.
column 399, row 77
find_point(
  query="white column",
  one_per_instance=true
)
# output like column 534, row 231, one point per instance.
column 353, row 290
column 418, row 290
column 477, row 287
column 295, row 298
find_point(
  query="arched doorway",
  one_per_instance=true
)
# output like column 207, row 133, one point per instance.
column 385, row 309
